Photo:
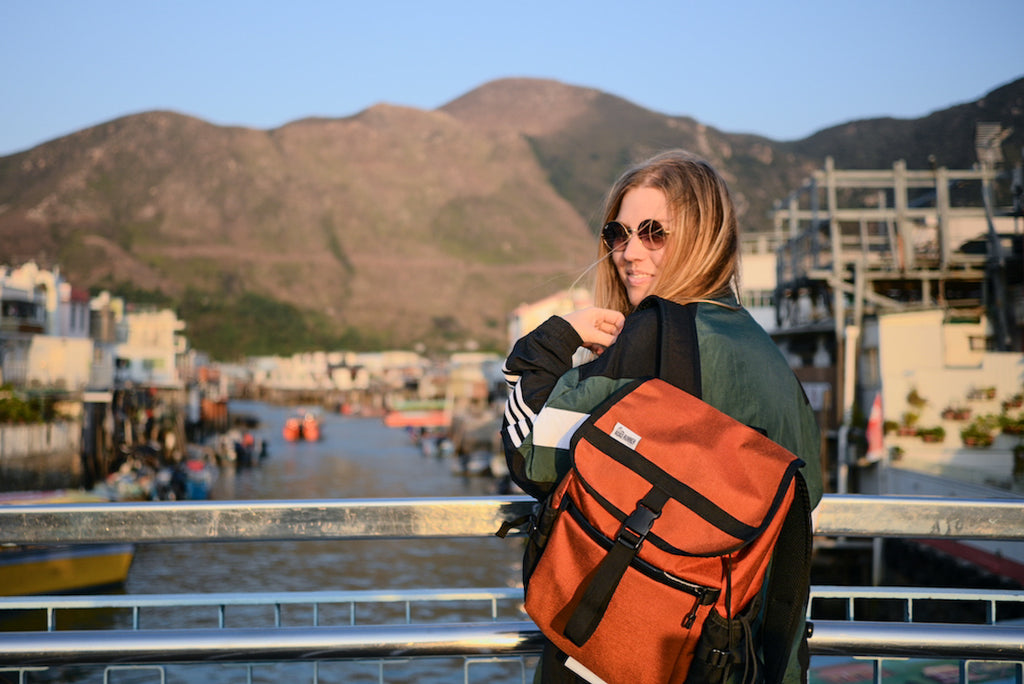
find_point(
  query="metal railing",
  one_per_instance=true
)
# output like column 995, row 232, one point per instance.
column 499, row 633
column 319, row 519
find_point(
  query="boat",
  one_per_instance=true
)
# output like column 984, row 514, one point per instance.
column 190, row 480
column 292, row 430
column 311, row 427
column 61, row 569
column 303, row 426
column 420, row 414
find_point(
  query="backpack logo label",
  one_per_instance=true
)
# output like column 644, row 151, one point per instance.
column 624, row 435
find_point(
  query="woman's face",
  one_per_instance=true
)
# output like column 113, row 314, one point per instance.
column 637, row 265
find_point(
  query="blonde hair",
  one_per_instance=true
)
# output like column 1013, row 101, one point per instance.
column 701, row 260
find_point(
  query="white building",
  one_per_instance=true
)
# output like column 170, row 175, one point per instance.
column 527, row 316
column 44, row 329
column 758, row 274
column 155, row 349
column 108, row 329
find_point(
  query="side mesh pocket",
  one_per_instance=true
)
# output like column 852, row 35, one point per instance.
column 726, row 651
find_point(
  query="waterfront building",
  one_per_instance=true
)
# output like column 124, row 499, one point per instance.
column 758, row 276
column 315, row 371
column 66, row 308
column 154, row 353
column 108, row 329
column 529, row 315
column 22, row 317
column 900, row 300
column 381, row 372
column 44, row 329
column 896, row 280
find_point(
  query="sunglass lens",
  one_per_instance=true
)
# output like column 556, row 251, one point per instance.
column 614, row 235
column 652, row 234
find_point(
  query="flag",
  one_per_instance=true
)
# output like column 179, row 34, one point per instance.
column 876, row 449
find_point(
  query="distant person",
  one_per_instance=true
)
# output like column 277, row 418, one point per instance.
column 669, row 232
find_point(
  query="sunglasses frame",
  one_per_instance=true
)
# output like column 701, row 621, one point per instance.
column 643, row 231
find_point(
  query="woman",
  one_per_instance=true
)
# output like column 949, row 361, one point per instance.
column 670, row 232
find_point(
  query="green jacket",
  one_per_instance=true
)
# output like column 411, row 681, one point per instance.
column 743, row 374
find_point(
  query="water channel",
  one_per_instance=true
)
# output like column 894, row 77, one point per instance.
column 355, row 458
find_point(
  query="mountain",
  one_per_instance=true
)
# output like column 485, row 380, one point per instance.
column 388, row 228
column 395, row 227
column 946, row 135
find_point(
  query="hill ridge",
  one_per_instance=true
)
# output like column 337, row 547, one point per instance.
column 395, row 226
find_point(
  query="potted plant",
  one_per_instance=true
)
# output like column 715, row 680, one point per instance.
column 1011, row 425
column 956, row 412
column 908, row 424
column 916, row 400
column 982, row 393
column 932, row 434
column 978, row 433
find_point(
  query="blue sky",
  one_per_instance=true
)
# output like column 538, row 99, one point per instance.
column 784, row 70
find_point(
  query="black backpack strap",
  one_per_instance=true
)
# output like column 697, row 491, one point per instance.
column 678, row 353
column 788, row 586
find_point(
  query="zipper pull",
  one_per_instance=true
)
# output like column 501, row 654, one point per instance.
column 691, row 617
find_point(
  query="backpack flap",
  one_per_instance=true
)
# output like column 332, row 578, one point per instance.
column 722, row 481
column 630, row 455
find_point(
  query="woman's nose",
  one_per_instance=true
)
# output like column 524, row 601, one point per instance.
column 634, row 248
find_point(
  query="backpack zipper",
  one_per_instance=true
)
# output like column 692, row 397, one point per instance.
column 705, row 595
column 691, row 617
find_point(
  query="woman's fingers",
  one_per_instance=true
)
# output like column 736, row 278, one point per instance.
column 598, row 328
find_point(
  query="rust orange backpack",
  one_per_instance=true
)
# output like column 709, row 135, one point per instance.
column 647, row 563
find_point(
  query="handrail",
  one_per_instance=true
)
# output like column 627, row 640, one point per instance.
column 907, row 517
column 830, row 637
column 837, row 516
column 258, row 598
column 262, row 644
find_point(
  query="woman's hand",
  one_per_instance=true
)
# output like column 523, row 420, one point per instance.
column 598, row 327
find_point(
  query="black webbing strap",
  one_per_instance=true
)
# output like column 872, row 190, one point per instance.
column 598, row 594
column 788, row 586
column 678, row 351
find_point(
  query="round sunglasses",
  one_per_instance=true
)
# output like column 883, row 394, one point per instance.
column 651, row 233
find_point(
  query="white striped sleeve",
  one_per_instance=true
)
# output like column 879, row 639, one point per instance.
column 518, row 416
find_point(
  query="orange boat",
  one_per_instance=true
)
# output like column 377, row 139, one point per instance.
column 428, row 418
column 305, row 426
column 419, row 414
column 310, row 427
column 292, row 429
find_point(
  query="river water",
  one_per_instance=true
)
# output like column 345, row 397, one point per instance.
column 355, row 458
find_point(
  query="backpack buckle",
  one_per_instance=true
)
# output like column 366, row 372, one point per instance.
column 635, row 527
